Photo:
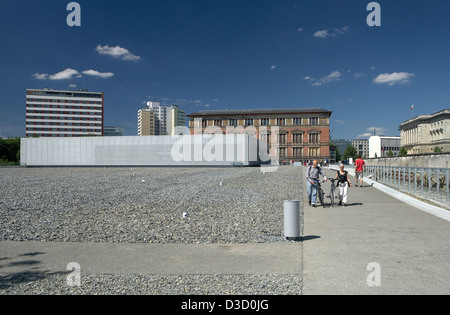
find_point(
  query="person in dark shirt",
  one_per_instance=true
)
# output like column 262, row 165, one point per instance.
column 343, row 183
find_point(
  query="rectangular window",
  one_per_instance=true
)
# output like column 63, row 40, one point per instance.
column 297, row 121
column 297, row 138
column 249, row 122
column 314, row 138
column 265, row 122
column 281, row 121
column 314, row 121
column 297, row 152
column 233, row 122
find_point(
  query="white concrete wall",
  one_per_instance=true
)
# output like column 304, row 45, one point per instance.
column 219, row 150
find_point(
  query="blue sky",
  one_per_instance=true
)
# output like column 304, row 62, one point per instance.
column 235, row 54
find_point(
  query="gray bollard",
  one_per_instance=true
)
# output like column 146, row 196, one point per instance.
column 292, row 220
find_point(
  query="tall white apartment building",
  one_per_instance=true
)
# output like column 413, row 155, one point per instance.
column 157, row 120
column 52, row 113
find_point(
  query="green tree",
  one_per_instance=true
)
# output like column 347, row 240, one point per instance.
column 403, row 151
column 350, row 152
column 437, row 150
column 9, row 149
column 390, row 154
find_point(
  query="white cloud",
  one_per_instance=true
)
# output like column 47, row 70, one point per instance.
column 72, row 86
column 371, row 130
column 394, row 78
column 300, row 30
column 333, row 76
column 273, row 67
column 71, row 74
column 321, row 34
column 117, row 52
column 38, row 76
column 95, row 73
column 65, row 75
column 331, row 33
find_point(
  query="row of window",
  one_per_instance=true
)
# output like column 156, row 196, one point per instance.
column 53, row 135
column 62, row 124
column 298, row 152
column 387, row 149
column 36, row 100
column 263, row 122
column 63, row 129
column 63, row 116
column 63, row 113
column 296, row 138
column 63, row 107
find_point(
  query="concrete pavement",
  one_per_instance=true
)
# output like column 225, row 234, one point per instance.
column 410, row 247
column 155, row 259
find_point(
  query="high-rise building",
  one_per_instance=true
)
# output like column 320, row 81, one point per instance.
column 53, row 113
column 302, row 134
column 146, row 122
column 157, row 120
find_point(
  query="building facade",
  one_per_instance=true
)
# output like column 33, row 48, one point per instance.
column 341, row 145
column 157, row 120
column 110, row 131
column 52, row 113
column 290, row 134
column 425, row 133
column 380, row 146
column 362, row 147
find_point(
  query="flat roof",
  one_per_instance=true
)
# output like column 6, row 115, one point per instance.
column 261, row 112
column 424, row 117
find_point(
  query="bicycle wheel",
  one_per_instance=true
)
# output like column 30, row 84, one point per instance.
column 332, row 197
column 320, row 193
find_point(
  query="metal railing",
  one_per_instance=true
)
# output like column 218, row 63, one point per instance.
column 428, row 183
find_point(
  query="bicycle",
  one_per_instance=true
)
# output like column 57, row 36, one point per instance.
column 320, row 193
column 332, row 190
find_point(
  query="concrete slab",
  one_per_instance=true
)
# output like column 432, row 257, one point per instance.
column 110, row 258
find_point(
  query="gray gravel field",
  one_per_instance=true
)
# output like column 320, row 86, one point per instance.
column 146, row 205
column 113, row 205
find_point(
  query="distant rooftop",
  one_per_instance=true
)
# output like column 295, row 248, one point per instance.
column 260, row 112
column 423, row 117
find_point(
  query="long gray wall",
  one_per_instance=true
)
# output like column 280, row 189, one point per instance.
column 217, row 150
column 437, row 160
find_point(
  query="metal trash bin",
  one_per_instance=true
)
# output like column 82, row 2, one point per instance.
column 292, row 220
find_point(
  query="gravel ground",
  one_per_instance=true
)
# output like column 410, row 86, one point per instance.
column 112, row 205
column 145, row 205
column 55, row 284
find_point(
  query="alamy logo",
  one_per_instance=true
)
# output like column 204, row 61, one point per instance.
column 374, row 278
column 74, row 278
column 74, row 17
column 374, row 18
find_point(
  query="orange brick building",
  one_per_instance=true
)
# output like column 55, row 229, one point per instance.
column 300, row 134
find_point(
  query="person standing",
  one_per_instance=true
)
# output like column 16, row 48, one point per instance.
column 360, row 168
column 312, row 176
column 343, row 182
